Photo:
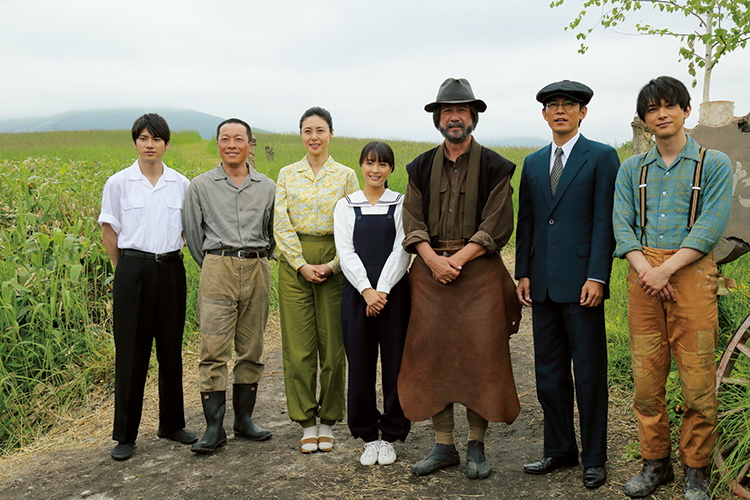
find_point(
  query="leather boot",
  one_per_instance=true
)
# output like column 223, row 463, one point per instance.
column 243, row 399
column 696, row 483
column 214, row 405
column 654, row 473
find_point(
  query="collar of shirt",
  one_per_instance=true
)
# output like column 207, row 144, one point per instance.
column 305, row 169
column 567, row 148
column 136, row 175
column 358, row 199
column 691, row 151
column 252, row 174
column 460, row 158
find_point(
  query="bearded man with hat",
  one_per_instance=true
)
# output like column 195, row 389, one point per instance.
column 564, row 246
column 458, row 215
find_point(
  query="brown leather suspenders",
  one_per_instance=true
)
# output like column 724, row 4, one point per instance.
column 695, row 192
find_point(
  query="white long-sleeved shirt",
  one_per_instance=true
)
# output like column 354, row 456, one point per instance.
column 343, row 230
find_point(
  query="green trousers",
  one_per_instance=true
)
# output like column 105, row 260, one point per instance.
column 311, row 334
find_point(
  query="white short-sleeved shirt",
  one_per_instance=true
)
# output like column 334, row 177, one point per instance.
column 145, row 217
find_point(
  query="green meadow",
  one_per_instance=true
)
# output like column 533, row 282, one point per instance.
column 56, row 346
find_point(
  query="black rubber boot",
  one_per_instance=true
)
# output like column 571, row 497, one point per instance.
column 696, row 483
column 441, row 456
column 477, row 466
column 243, row 399
column 214, row 405
column 654, row 473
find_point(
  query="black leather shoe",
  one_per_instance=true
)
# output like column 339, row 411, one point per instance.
column 122, row 451
column 181, row 436
column 593, row 477
column 696, row 483
column 549, row 464
column 654, row 473
column 441, row 456
column 477, row 466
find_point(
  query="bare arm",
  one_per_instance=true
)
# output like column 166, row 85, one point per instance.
column 109, row 238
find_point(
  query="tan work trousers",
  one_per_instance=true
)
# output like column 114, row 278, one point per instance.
column 688, row 328
column 233, row 300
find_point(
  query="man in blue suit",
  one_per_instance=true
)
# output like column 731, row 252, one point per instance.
column 564, row 245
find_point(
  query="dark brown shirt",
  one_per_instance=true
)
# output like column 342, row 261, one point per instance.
column 497, row 215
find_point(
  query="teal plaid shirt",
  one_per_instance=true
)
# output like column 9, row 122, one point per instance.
column 668, row 201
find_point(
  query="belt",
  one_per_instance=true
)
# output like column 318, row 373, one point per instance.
column 158, row 257
column 246, row 253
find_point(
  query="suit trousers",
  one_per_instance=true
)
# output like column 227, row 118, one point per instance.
column 311, row 333
column 565, row 332
column 688, row 328
column 233, row 301
column 149, row 305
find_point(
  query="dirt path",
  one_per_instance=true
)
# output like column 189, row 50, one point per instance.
column 160, row 469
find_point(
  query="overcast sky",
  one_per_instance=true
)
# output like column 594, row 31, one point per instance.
column 373, row 64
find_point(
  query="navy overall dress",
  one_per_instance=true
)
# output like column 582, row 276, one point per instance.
column 373, row 242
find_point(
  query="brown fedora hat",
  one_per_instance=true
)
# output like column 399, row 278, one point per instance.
column 456, row 91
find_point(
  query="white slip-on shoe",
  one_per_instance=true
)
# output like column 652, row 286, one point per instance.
column 370, row 455
column 386, row 453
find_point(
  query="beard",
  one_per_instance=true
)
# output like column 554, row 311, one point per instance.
column 452, row 137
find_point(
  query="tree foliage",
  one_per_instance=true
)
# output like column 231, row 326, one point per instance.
column 723, row 26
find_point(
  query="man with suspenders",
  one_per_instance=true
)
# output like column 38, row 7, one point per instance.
column 671, row 206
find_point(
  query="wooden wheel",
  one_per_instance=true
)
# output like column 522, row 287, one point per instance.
column 736, row 348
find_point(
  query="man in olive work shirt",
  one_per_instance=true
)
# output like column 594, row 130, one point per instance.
column 228, row 221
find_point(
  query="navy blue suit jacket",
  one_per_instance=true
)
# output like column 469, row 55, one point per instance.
column 563, row 241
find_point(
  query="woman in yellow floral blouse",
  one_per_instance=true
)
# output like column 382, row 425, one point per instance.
column 310, row 282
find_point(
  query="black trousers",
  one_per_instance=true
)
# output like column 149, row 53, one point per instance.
column 149, row 304
column 362, row 337
column 565, row 332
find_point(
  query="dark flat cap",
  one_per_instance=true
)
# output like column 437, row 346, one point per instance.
column 574, row 90
column 455, row 91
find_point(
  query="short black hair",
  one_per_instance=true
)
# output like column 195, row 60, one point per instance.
column 666, row 88
column 235, row 120
column 472, row 108
column 378, row 151
column 155, row 124
column 317, row 111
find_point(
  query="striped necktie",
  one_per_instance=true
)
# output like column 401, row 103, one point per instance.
column 557, row 168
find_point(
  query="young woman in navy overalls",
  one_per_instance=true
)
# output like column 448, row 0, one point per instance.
column 374, row 304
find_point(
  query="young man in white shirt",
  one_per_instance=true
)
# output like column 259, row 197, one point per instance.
column 141, row 221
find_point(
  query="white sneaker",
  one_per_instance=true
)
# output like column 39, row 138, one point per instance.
column 386, row 453
column 370, row 455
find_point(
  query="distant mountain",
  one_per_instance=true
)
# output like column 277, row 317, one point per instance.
column 516, row 142
column 114, row 119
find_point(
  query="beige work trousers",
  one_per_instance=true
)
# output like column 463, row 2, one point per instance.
column 688, row 328
column 233, row 300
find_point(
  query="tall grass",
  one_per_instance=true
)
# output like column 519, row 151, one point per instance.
column 55, row 276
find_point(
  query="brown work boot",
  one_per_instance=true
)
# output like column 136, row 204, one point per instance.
column 696, row 483
column 654, row 473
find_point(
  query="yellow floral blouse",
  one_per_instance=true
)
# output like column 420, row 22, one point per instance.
column 304, row 205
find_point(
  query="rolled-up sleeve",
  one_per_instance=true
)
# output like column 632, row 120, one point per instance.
column 415, row 227
column 192, row 223
column 623, row 212
column 497, row 218
column 110, row 212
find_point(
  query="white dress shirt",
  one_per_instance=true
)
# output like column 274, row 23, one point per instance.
column 145, row 217
column 343, row 232
column 567, row 148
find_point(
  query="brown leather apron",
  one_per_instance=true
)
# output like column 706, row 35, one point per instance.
column 457, row 342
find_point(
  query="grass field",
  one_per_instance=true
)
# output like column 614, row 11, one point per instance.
column 55, row 304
